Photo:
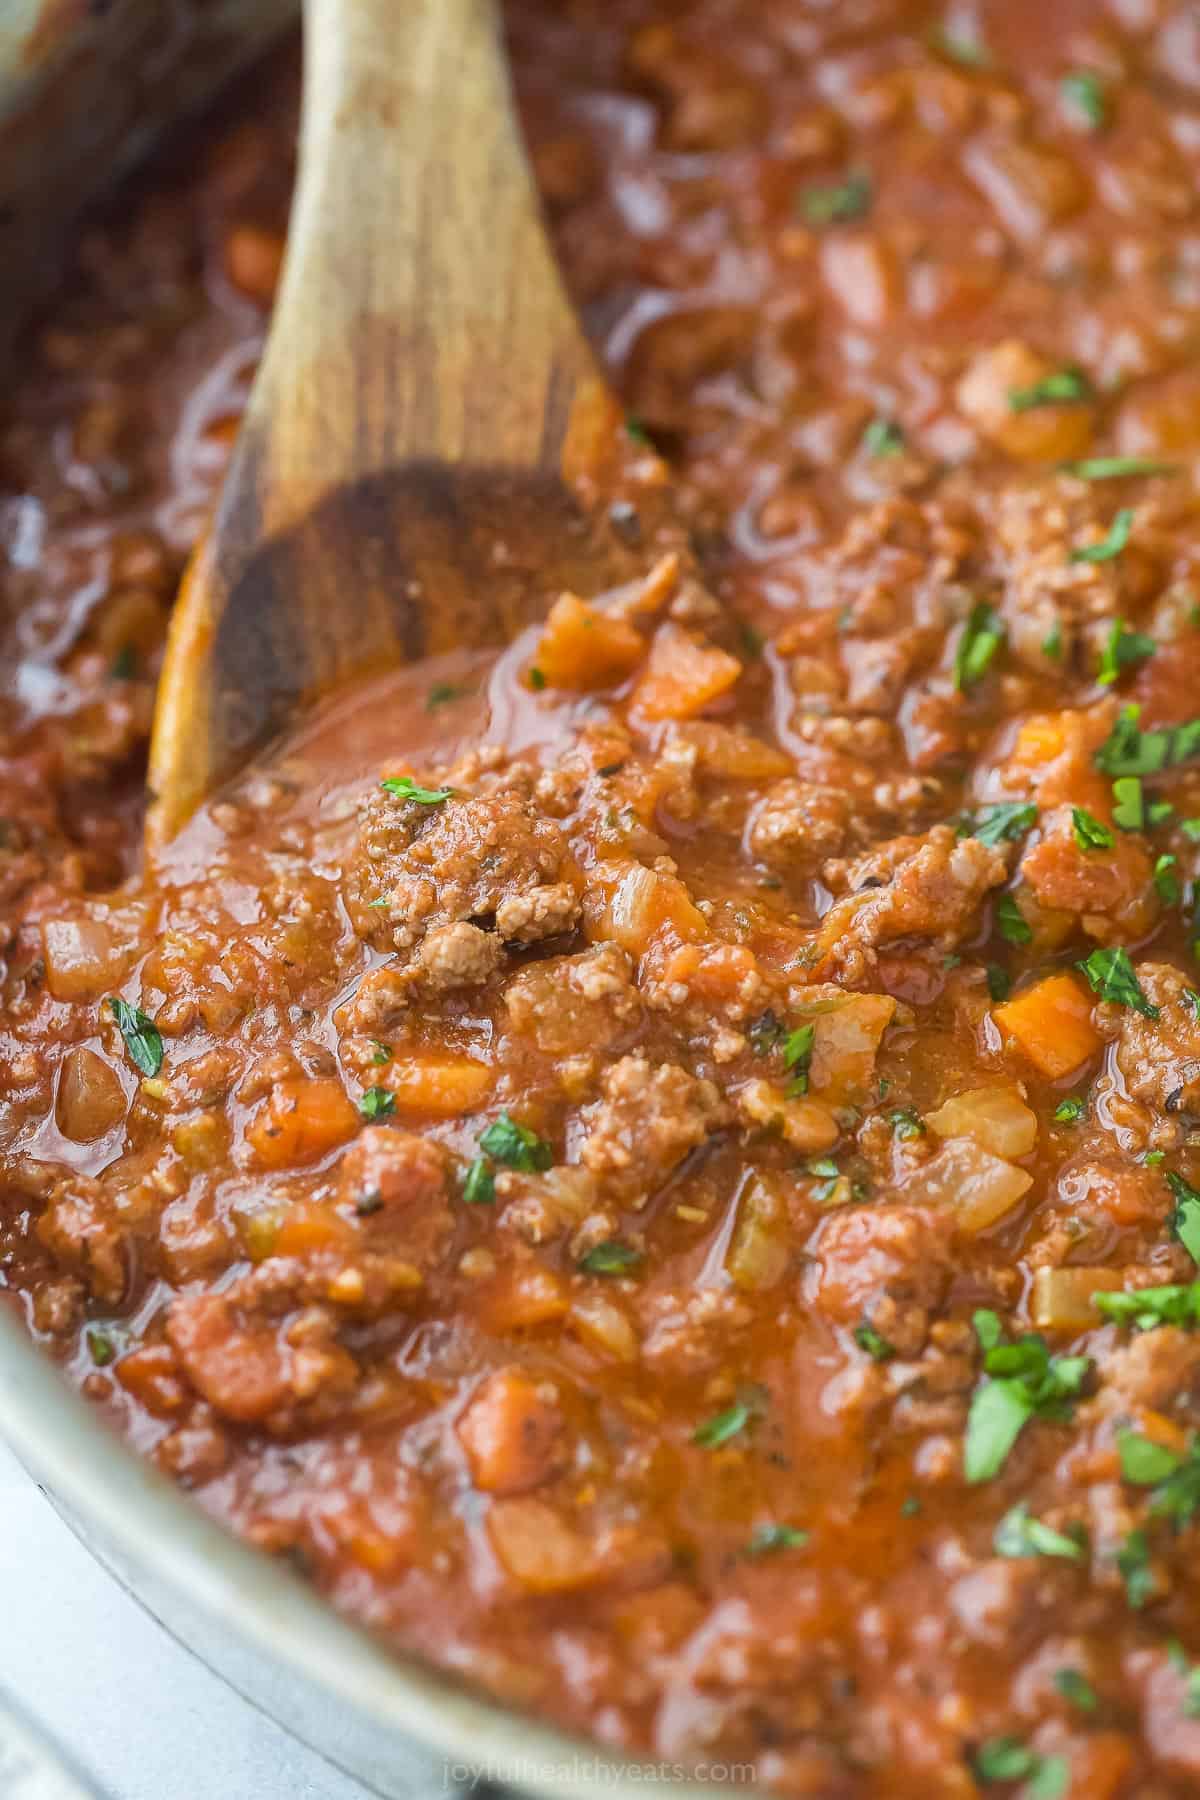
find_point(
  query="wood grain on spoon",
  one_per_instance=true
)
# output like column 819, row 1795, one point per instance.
column 398, row 485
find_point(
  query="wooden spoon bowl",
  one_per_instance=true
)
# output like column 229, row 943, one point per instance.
column 408, row 475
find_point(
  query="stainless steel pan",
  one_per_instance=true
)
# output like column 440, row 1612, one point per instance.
column 84, row 91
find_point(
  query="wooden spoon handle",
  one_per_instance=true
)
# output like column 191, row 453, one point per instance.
column 421, row 314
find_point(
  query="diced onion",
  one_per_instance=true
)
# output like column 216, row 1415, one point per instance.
column 604, row 1328
column 980, row 1187
column 760, row 1247
column 1062, row 1298
column 995, row 1118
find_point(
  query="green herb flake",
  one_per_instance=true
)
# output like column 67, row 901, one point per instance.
column 102, row 1346
column 1166, row 881
column 1191, row 830
column 1173, row 1479
column 1062, row 387
column 369, row 1203
column 1085, row 97
column 836, row 205
column 1144, row 1309
column 516, row 1146
column 1122, row 649
column 906, row 1123
column 403, row 787
column 1191, row 1678
column 537, row 679
column 999, row 824
column 1111, row 545
column 382, row 1052
column 752, row 641
column 1185, row 1220
column 1011, row 922
column 1128, row 750
column 1133, row 1566
column 797, row 1056
column 1158, row 812
column 980, row 639
column 442, row 693
column 766, row 1540
column 1052, row 643
column 883, row 438
column 1077, row 1690
column 964, row 50
column 1111, row 975
column 1022, row 1381
column 479, row 1184
column 1144, row 1462
column 1069, row 1111
column 910, row 1507
column 610, row 1258
column 1090, row 832
column 143, row 1041
column 1002, row 1759
column 999, row 982
column 124, row 664
column 1020, row 1534
column 1129, row 803
column 377, row 1103
column 722, row 1427
column 1118, row 468
column 876, row 1347
column 636, row 431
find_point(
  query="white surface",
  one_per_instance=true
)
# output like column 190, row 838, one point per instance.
column 138, row 1712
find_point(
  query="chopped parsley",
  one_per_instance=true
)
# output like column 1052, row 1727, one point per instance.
column 1052, row 642
column 1069, row 1110
column 722, row 1427
column 377, row 1103
column 1166, row 880
column 143, row 1041
column 1128, row 750
column 999, row 824
column 1011, row 922
column 764, row 1033
column 635, row 430
column 1085, row 96
column 1063, row 386
column 981, row 638
column 1185, row 1220
column 516, row 1146
column 1191, row 830
column 479, row 1186
column 1122, row 649
column 876, row 1347
column 1008, row 1759
column 1020, row 1534
column 999, row 982
column 1118, row 468
column 767, row 1539
column 797, row 1057
column 103, row 1347
column 610, row 1258
column 403, row 787
column 1111, row 975
column 1090, row 833
column 1173, row 1477
column 1133, row 1565
column 1191, row 1675
column 441, row 693
column 537, row 679
column 882, row 438
column 382, row 1052
column 1111, row 545
column 124, row 664
column 906, row 1122
column 1077, row 1690
column 1129, row 803
column 848, row 199
column 1022, row 1381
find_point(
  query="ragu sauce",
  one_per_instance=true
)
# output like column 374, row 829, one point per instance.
column 658, row 1168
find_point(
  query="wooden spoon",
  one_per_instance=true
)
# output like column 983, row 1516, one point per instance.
column 398, row 487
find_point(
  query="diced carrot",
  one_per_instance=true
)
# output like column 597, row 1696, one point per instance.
column 524, row 1298
column 683, row 675
column 1040, row 740
column 306, row 1226
column 151, row 1375
column 301, row 1121
column 441, row 1087
column 511, row 1433
column 583, row 647
column 641, row 903
column 1052, row 1024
